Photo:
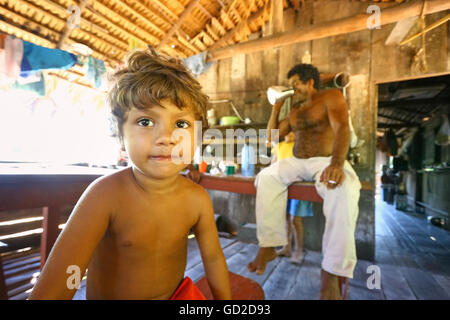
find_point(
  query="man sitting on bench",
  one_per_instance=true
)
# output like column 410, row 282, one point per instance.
column 319, row 120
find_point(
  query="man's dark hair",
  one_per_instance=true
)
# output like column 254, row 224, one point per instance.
column 306, row 72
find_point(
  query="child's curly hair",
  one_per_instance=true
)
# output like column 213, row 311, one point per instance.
column 149, row 77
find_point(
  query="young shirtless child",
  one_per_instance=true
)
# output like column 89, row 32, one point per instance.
column 130, row 228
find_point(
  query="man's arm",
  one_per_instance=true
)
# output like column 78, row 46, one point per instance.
column 74, row 247
column 213, row 259
column 338, row 116
column 283, row 125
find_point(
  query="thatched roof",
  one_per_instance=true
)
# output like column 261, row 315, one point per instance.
column 180, row 28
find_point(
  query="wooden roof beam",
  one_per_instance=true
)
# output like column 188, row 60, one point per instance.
column 230, row 34
column 179, row 22
column 328, row 29
column 60, row 10
column 137, row 14
column 205, row 11
column 98, row 6
column 41, row 41
column 25, row 35
column 277, row 17
column 165, row 11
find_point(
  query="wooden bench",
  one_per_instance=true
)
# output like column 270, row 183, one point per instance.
column 246, row 185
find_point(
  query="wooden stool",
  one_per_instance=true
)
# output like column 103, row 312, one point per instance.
column 241, row 288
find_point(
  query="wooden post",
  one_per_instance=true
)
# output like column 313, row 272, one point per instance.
column 329, row 28
column 277, row 17
column 49, row 232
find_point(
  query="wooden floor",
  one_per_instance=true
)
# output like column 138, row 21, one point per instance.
column 413, row 258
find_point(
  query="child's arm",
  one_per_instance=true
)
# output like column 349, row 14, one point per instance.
column 75, row 245
column 213, row 259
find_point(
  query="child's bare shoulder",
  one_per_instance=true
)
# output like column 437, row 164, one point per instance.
column 107, row 187
column 196, row 191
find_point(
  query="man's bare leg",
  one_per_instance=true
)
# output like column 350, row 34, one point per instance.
column 298, row 227
column 259, row 264
column 329, row 289
column 286, row 250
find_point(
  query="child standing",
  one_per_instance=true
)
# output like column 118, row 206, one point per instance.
column 130, row 228
column 295, row 208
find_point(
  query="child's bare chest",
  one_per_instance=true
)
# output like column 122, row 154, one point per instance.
column 154, row 225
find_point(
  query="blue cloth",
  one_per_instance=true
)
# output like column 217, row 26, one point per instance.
column 300, row 208
column 96, row 69
column 40, row 58
column 37, row 86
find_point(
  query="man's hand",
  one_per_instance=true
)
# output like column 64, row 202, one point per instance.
column 333, row 176
column 193, row 174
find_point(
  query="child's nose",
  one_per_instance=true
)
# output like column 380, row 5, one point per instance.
column 165, row 136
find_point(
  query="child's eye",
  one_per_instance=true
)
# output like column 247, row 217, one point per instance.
column 145, row 122
column 182, row 124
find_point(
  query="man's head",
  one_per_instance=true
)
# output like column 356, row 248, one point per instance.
column 305, row 79
column 155, row 102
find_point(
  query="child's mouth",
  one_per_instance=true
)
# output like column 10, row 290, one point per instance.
column 161, row 158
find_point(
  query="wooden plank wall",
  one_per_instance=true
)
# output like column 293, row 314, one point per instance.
column 363, row 54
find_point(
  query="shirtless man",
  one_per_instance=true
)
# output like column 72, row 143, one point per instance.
column 130, row 228
column 319, row 120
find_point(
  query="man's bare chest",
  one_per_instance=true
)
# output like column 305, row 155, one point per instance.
column 310, row 117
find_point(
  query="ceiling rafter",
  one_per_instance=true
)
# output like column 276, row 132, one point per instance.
column 109, row 26
column 138, row 15
column 164, row 10
column 97, row 54
column 178, row 23
column 60, row 21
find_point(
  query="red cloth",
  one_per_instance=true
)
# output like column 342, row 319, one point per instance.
column 187, row 290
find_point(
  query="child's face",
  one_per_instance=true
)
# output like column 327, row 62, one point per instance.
column 150, row 141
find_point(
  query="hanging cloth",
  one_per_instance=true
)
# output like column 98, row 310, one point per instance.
column 197, row 64
column 96, row 70
column 10, row 59
column 392, row 143
column 40, row 58
column 443, row 135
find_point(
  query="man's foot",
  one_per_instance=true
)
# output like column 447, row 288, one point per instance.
column 299, row 257
column 284, row 252
column 330, row 287
column 259, row 264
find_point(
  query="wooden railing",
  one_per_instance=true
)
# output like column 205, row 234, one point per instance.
column 52, row 192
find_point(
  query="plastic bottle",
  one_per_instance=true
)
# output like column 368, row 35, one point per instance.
column 248, row 160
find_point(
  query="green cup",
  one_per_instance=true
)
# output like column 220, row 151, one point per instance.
column 230, row 170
